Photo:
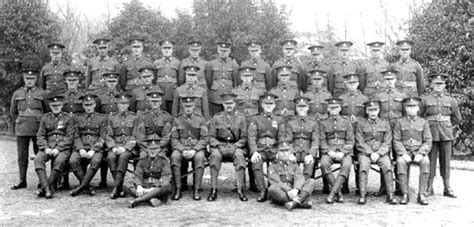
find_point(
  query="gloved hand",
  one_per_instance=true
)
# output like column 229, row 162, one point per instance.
column 90, row 153
column 83, row 153
column 418, row 158
column 55, row 152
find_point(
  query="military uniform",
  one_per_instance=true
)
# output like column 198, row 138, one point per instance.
column 297, row 77
column 51, row 76
column 285, row 93
column 201, row 74
column 318, row 96
column 190, row 89
column 353, row 101
column 391, row 107
column 72, row 104
column 56, row 131
column 412, row 136
column 316, row 62
column 139, row 101
column 26, row 108
column 189, row 132
column 374, row 136
column 106, row 96
column 228, row 141
column 90, row 135
column 129, row 77
column 263, row 77
column 98, row 66
column 410, row 78
column 336, row 135
column 167, row 76
column 338, row 69
column 442, row 113
column 371, row 71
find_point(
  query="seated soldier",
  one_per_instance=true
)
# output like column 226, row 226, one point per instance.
column 152, row 177
column 228, row 140
column 336, row 144
column 55, row 138
column 89, row 143
column 373, row 141
column 412, row 142
column 287, row 183
column 188, row 141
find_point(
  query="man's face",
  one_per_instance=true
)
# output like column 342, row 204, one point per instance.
column 56, row 55
column 352, row 86
column 316, row 52
column 390, row 82
column 72, row 83
column 375, row 52
column 167, row 51
column 255, row 52
column 191, row 78
column 89, row 107
column 153, row 149
column 188, row 109
column 283, row 78
column 102, row 51
column 344, row 54
column 223, row 52
column 146, row 77
column 412, row 110
column 194, row 52
column 112, row 84
column 229, row 105
column 56, row 107
column 317, row 82
column 405, row 52
column 334, row 110
column 123, row 106
column 284, row 154
column 301, row 110
column 268, row 107
column 438, row 87
column 155, row 104
column 29, row 80
column 137, row 49
column 289, row 52
column 247, row 79
column 373, row 113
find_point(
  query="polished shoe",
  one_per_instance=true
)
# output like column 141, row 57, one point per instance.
column 40, row 192
column 156, row 202
column 405, row 199
column 362, row 200
column 212, row 195
column 242, row 197
column 290, row 205
column 196, row 195
column 262, row 197
column 449, row 193
column 75, row 192
column 339, row 198
column 391, row 200
column 48, row 193
column 305, row 205
column 177, row 195
column 19, row 186
column 429, row 191
column 330, row 199
column 422, row 199
column 115, row 194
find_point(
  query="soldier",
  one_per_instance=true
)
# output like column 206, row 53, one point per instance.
column 100, row 65
column 288, row 186
column 51, row 75
column 318, row 94
column 442, row 112
column 154, row 122
column 152, row 177
column 391, row 109
column 121, row 141
column 373, row 138
column 412, row 143
column 228, row 140
column 129, row 73
column 139, row 102
column 285, row 93
column 55, row 139
column 89, row 144
column 372, row 79
column 221, row 75
column 341, row 67
column 191, row 88
column 27, row 107
column 262, row 140
column 297, row 77
column 316, row 61
column 303, row 130
column 194, row 59
column 188, row 141
column 410, row 78
column 263, row 76
column 167, row 73
column 72, row 103
column 336, row 139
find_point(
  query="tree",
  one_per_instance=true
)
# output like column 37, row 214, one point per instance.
column 443, row 41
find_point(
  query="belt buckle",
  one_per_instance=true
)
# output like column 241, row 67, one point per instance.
column 353, row 118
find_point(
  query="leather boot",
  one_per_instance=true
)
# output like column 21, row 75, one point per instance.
column 362, row 187
column 448, row 192
column 326, row 187
column 422, row 199
column 240, row 175
column 262, row 197
column 391, row 199
column 177, row 194
column 22, row 183
column 212, row 195
column 382, row 188
column 43, row 182
column 198, row 173
column 103, row 175
column 79, row 175
column 405, row 199
column 388, row 177
column 429, row 188
column 117, row 192
column 337, row 188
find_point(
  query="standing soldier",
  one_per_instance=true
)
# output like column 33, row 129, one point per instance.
column 285, row 92
column 154, row 122
column 391, row 109
column 139, row 102
column 152, row 177
column 100, row 65
column 228, row 140
column 410, row 80
column 372, row 80
column 167, row 73
column 51, row 75
column 336, row 139
column 263, row 76
column 27, row 107
column 303, row 130
column 262, row 140
column 442, row 112
column 341, row 67
column 317, row 62
column 412, row 143
column 72, row 103
column 188, row 141
column 297, row 77
column 194, row 59
column 318, row 94
column 288, row 185
column 129, row 73
column 55, row 139
column 89, row 144
column 221, row 75
column 121, row 141
column 373, row 142
column 191, row 89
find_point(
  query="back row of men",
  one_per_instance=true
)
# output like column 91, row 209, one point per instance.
column 306, row 123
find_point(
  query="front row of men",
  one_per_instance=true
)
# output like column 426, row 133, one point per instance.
column 283, row 142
